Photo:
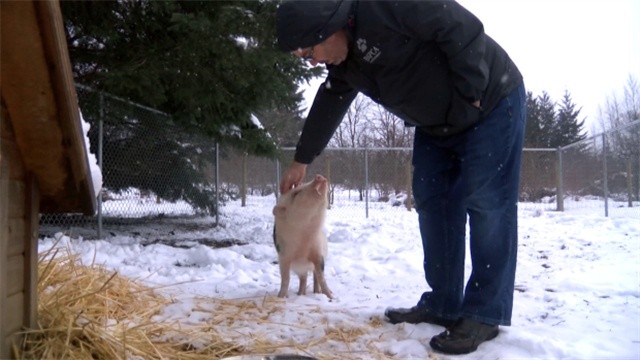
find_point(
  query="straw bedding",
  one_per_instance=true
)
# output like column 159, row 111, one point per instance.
column 88, row 312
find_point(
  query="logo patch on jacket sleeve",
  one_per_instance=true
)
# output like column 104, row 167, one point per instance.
column 362, row 45
column 372, row 54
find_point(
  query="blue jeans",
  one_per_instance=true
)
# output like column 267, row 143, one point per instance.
column 475, row 174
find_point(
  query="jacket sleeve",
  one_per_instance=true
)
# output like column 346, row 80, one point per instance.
column 330, row 105
column 457, row 32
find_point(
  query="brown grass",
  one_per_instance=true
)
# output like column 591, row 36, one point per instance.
column 89, row 312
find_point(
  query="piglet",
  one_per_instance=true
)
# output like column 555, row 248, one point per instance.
column 298, row 235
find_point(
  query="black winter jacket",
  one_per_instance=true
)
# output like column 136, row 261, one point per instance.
column 424, row 61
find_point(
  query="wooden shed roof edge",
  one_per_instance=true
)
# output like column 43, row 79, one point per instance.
column 32, row 73
column 52, row 24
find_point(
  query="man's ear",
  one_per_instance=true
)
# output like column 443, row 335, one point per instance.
column 279, row 210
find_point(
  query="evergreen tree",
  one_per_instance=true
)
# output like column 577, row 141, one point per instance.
column 209, row 64
column 282, row 125
column 551, row 128
column 540, row 125
column 146, row 151
column 547, row 120
column 568, row 129
column 533, row 128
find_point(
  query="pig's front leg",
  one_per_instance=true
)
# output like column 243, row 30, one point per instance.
column 302, row 290
column 284, row 278
column 316, row 285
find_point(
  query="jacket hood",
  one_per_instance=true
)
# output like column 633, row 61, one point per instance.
column 305, row 23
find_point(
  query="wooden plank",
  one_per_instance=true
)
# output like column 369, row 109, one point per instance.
column 10, row 165
column 5, row 348
column 4, row 241
column 55, row 46
column 6, row 132
column 15, row 313
column 13, row 166
column 15, row 230
column 31, row 255
column 15, row 275
column 16, row 199
column 27, row 93
column 40, row 98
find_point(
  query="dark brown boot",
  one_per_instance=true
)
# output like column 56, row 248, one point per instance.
column 415, row 315
column 463, row 337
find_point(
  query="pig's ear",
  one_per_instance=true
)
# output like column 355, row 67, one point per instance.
column 279, row 210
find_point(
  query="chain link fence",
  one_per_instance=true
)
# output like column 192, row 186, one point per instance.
column 602, row 173
column 599, row 175
column 152, row 169
column 154, row 172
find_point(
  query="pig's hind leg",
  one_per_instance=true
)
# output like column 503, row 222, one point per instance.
column 284, row 278
column 319, row 282
column 302, row 290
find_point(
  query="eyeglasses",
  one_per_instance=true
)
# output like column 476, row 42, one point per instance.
column 306, row 56
column 309, row 55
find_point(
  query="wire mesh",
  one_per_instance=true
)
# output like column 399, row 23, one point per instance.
column 602, row 173
column 151, row 167
column 538, row 179
column 153, row 170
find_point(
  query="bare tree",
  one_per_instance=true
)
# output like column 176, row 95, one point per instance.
column 389, row 169
column 632, row 99
column 388, row 130
column 617, row 112
column 352, row 132
column 624, row 142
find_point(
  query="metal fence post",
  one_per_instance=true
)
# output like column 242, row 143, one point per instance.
column 277, row 187
column 243, row 181
column 409, row 180
column 217, row 170
column 100, row 141
column 605, row 184
column 629, row 183
column 327, row 172
column 559, row 185
column 366, row 182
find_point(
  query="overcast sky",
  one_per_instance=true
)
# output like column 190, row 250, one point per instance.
column 586, row 47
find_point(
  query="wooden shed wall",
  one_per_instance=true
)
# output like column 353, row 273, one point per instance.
column 43, row 162
column 18, row 241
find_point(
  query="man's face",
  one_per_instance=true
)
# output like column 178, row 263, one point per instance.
column 332, row 51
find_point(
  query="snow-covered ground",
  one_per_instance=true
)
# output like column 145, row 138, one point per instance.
column 578, row 281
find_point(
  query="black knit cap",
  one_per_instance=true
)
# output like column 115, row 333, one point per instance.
column 305, row 23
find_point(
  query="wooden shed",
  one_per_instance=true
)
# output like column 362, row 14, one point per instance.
column 43, row 158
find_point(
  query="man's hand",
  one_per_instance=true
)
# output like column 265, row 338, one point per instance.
column 292, row 177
